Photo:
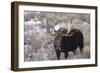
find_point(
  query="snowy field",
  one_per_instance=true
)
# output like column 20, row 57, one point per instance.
column 39, row 29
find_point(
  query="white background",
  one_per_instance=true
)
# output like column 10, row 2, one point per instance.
column 5, row 37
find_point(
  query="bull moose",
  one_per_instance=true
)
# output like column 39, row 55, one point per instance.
column 70, row 42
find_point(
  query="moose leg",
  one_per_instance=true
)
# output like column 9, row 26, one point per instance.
column 58, row 54
column 66, row 55
column 74, row 52
column 81, row 50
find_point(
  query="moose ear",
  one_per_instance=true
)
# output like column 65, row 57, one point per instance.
column 64, row 31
